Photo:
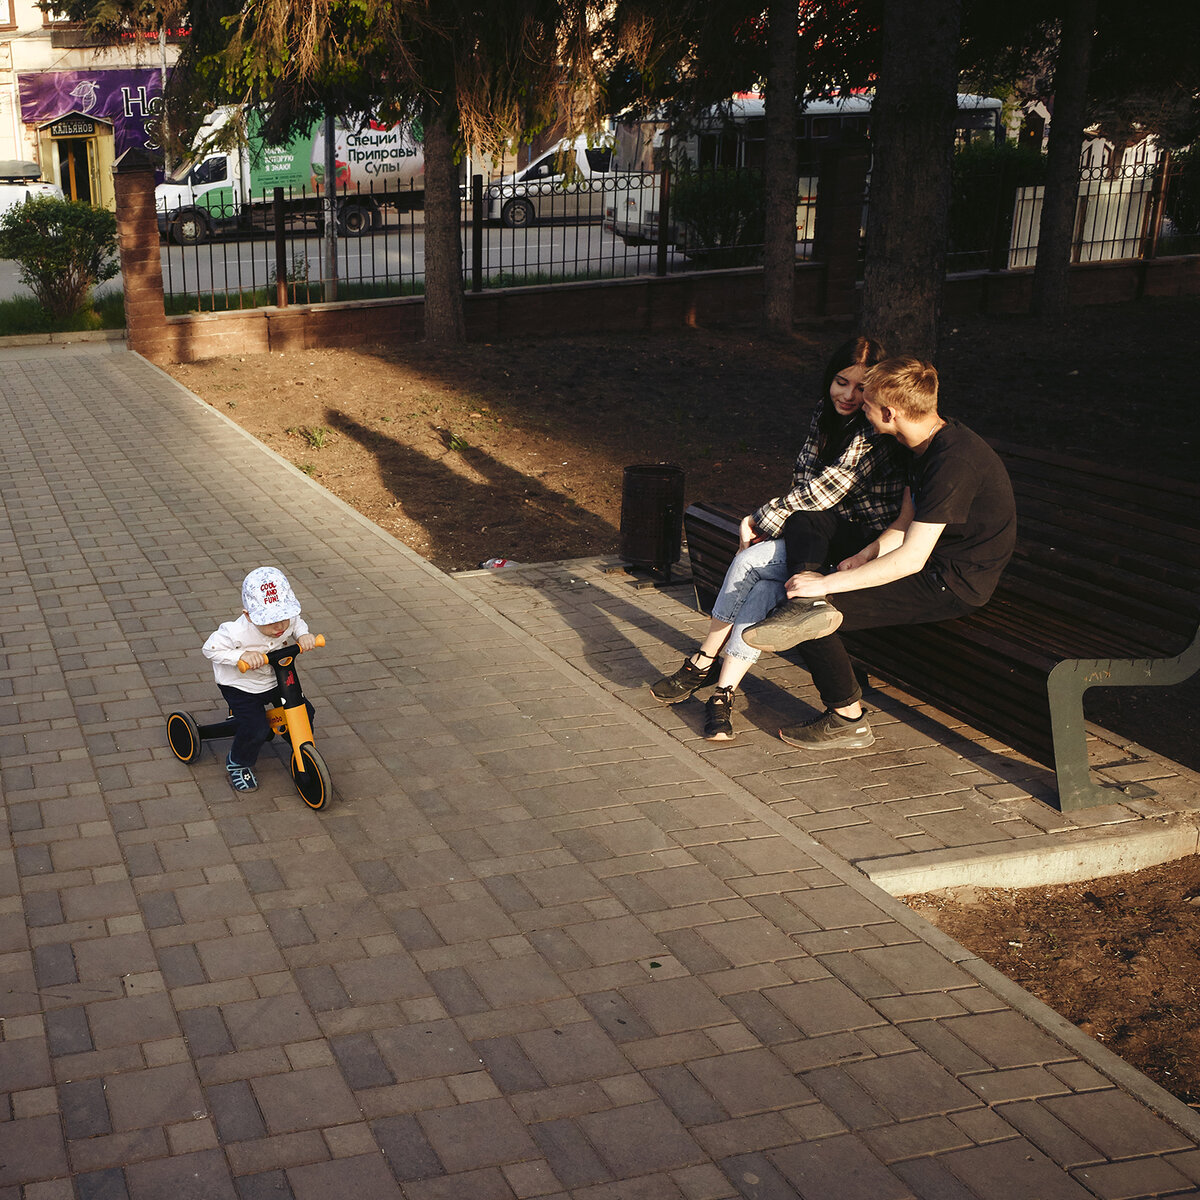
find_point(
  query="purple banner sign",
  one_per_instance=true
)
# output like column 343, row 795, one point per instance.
column 130, row 99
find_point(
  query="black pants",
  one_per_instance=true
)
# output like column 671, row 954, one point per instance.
column 813, row 538
column 253, row 729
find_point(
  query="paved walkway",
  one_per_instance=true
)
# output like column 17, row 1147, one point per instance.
column 542, row 944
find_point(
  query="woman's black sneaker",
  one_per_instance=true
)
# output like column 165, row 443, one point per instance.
column 718, row 726
column 689, row 678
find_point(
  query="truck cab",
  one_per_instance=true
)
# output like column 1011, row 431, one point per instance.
column 567, row 181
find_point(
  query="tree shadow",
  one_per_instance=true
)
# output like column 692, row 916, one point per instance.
column 430, row 488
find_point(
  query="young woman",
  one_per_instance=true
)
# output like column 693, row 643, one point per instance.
column 843, row 468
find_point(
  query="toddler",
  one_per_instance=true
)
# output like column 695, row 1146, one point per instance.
column 270, row 619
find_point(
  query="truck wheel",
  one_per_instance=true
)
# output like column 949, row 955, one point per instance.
column 354, row 220
column 190, row 228
column 516, row 214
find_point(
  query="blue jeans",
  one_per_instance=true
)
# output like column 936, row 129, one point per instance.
column 753, row 586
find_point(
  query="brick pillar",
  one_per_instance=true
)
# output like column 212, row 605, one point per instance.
column 839, row 224
column 141, row 266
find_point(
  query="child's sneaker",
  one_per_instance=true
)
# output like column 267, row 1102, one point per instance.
column 242, row 778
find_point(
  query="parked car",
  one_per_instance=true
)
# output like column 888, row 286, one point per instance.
column 20, row 180
column 568, row 181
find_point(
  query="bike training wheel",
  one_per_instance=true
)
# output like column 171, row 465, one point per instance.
column 183, row 737
column 313, row 781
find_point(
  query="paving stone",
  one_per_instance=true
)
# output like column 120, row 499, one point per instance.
column 360, row 1061
column 640, row 1138
column 471, row 1136
column 1115, row 1124
column 305, row 1099
column 31, row 1148
column 102, row 1185
column 361, row 1175
column 266, row 1185
column 68, row 1031
column 154, row 1096
column 203, row 1173
column 235, row 1111
column 841, row 1166
column 1011, row 1171
column 84, row 1109
column 822, row 1006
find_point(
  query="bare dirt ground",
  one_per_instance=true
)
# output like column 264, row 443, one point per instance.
column 1115, row 956
column 516, row 450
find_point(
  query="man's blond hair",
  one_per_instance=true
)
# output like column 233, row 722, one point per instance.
column 905, row 384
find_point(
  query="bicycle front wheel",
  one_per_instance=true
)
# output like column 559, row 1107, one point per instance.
column 311, row 776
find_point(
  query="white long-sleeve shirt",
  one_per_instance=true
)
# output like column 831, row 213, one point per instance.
column 233, row 639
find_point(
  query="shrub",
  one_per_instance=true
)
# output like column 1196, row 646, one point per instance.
column 722, row 213
column 62, row 248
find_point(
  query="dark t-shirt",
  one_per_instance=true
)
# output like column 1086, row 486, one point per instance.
column 961, row 483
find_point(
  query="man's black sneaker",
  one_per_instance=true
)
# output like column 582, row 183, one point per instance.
column 796, row 620
column 830, row 731
column 718, row 726
column 670, row 689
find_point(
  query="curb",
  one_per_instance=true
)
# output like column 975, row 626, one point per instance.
column 63, row 339
column 1071, row 857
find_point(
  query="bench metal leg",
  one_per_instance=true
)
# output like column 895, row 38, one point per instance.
column 1065, row 687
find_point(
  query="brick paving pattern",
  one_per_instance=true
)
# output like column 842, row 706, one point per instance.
column 544, row 942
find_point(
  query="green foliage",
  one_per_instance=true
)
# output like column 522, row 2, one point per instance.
column 983, row 187
column 722, row 214
column 23, row 315
column 62, row 248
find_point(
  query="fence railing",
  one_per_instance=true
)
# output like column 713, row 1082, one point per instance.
column 271, row 250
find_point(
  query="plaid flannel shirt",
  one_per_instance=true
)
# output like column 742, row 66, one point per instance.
column 865, row 485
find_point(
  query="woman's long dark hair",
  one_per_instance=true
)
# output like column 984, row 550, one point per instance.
column 834, row 434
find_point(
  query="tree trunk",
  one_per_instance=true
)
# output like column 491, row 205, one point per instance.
column 445, row 323
column 912, row 139
column 780, row 171
column 1057, row 228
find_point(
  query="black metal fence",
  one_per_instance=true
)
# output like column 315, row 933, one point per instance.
column 272, row 251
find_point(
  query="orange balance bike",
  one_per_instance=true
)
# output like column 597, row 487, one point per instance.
column 287, row 717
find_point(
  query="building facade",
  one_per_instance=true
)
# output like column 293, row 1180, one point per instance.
column 73, row 104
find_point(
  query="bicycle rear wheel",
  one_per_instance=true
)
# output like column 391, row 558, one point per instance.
column 311, row 777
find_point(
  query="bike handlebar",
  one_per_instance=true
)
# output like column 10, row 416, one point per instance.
column 319, row 640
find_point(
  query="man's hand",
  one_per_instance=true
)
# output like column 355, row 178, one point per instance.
column 747, row 534
column 860, row 559
column 306, row 641
column 808, row 584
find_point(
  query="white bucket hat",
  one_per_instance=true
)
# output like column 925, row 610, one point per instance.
column 267, row 596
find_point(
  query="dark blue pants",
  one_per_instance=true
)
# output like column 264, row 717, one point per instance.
column 253, row 730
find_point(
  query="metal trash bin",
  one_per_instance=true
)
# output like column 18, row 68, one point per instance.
column 652, row 516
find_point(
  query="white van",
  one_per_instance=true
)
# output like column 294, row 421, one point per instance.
column 567, row 181
column 20, row 180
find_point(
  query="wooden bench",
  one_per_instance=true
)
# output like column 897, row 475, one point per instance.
column 1103, row 590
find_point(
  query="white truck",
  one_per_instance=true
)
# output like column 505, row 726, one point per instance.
column 228, row 182
column 574, row 180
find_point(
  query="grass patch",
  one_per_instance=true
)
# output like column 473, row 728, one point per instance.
column 23, row 314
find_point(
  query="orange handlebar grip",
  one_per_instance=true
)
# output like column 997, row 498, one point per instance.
column 243, row 666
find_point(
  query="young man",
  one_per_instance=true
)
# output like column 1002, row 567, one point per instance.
column 941, row 558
